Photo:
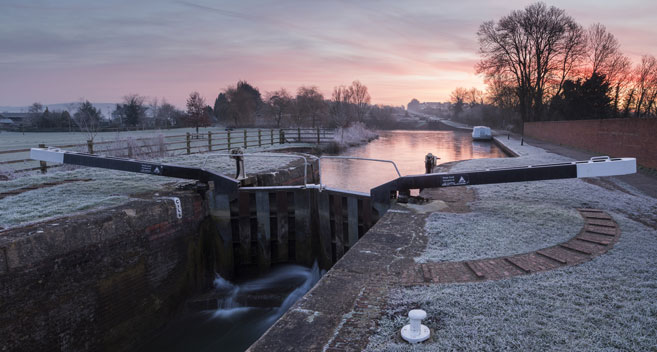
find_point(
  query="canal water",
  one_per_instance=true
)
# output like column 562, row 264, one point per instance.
column 241, row 312
column 407, row 149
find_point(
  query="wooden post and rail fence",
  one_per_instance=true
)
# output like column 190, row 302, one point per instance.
column 17, row 160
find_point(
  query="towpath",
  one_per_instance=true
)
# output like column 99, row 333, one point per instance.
column 551, row 265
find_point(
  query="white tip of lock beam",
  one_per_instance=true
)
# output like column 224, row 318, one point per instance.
column 52, row 155
column 605, row 166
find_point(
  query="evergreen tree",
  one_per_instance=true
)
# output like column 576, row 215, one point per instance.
column 133, row 109
column 221, row 106
column 584, row 100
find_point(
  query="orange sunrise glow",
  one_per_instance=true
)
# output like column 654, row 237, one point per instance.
column 68, row 50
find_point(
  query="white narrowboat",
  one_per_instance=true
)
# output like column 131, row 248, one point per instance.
column 480, row 133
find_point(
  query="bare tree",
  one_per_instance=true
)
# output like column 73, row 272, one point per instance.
column 457, row 98
column 280, row 103
column 527, row 45
column 572, row 52
column 88, row 119
column 196, row 116
column 646, row 85
column 360, row 98
column 603, row 47
column 618, row 76
column 310, row 104
column 35, row 110
column 341, row 107
column 501, row 93
column 644, row 76
column 474, row 97
column 153, row 106
column 630, row 98
column 167, row 114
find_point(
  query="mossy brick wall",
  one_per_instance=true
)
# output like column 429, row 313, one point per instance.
column 101, row 280
column 632, row 137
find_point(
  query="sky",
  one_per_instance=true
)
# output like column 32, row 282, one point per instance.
column 68, row 50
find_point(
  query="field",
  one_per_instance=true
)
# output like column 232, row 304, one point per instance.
column 161, row 142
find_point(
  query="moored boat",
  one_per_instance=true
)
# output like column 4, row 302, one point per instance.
column 481, row 133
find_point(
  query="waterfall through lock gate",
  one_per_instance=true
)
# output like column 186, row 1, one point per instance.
column 235, row 314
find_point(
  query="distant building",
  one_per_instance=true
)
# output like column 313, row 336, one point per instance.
column 436, row 107
column 6, row 124
column 18, row 120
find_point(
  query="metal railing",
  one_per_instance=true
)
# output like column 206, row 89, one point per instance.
column 269, row 155
column 319, row 166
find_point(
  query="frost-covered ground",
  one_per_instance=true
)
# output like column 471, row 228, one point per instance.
column 106, row 187
column 355, row 134
column 498, row 228
column 504, row 222
column 607, row 304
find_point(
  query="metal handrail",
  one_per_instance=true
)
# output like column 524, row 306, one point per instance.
column 319, row 166
column 274, row 155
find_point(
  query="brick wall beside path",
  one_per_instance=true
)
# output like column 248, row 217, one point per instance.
column 631, row 137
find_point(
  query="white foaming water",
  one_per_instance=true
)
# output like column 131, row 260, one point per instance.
column 221, row 284
column 287, row 276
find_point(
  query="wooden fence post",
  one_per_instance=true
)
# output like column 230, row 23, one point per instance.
column 189, row 144
column 245, row 146
column 298, row 134
column 42, row 164
column 272, row 136
column 281, row 137
column 228, row 139
column 90, row 146
column 259, row 138
column 209, row 141
column 317, row 135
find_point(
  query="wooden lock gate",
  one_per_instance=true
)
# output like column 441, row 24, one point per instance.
column 269, row 225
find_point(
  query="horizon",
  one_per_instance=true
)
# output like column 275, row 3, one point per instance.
column 63, row 53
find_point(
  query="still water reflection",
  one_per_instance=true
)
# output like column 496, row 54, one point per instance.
column 407, row 149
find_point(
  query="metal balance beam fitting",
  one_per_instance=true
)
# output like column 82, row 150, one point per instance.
column 221, row 189
column 597, row 166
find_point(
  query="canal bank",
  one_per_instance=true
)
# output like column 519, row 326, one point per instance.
column 582, row 302
column 105, row 279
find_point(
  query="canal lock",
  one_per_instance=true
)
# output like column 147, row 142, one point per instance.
column 273, row 244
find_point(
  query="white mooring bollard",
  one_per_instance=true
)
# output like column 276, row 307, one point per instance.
column 415, row 332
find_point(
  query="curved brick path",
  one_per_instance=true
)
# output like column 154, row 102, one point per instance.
column 599, row 234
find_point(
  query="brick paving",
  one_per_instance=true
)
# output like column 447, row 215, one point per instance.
column 599, row 234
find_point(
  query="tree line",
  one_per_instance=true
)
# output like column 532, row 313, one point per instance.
column 239, row 105
column 242, row 105
column 541, row 64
